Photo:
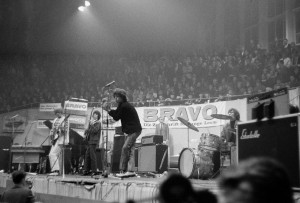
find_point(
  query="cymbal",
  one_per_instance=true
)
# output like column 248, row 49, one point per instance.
column 188, row 124
column 221, row 116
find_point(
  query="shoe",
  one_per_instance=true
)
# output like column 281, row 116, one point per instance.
column 120, row 174
column 53, row 173
column 128, row 173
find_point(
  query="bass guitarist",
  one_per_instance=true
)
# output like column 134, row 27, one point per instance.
column 57, row 136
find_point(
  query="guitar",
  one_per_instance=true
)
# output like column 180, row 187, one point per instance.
column 86, row 133
column 55, row 132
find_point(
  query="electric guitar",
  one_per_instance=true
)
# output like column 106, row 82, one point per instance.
column 55, row 132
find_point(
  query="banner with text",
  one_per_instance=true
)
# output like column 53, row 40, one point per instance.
column 49, row 106
column 76, row 108
column 198, row 115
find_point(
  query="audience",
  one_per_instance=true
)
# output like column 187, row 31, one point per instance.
column 256, row 180
column 19, row 193
column 150, row 80
column 177, row 188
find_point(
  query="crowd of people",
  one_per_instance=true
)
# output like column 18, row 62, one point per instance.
column 149, row 80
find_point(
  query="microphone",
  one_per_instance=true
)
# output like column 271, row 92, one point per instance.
column 14, row 116
column 109, row 84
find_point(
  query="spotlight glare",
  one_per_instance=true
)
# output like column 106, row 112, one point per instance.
column 87, row 3
column 81, row 8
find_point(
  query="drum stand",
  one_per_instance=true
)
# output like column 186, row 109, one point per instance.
column 219, row 170
column 222, row 163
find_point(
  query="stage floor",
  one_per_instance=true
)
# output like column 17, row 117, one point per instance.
column 83, row 189
column 75, row 188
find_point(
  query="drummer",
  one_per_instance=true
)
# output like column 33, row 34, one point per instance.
column 228, row 133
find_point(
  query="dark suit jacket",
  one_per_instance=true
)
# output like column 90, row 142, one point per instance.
column 93, row 133
column 162, row 130
column 18, row 194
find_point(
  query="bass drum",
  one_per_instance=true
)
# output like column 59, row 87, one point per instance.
column 200, row 164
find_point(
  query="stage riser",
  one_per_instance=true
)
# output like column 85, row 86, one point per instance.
column 46, row 198
column 105, row 189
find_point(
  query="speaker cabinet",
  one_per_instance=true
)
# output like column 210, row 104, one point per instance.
column 269, row 109
column 4, row 159
column 116, row 155
column 280, row 98
column 5, row 142
column 258, row 111
column 100, row 155
column 277, row 138
column 153, row 158
column 67, row 160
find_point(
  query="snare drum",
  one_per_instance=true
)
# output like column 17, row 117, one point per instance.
column 198, row 164
column 209, row 141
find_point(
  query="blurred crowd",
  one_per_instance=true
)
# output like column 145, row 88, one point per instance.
column 163, row 79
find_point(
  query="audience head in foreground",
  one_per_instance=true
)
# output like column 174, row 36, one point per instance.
column 256, row 180
column 19, row 193
column 178, row 189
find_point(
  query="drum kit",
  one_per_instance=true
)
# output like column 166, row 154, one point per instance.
column 204, row 162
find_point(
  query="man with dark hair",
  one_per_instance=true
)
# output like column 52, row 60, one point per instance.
column 256, row 180
column 92, row 137
column 229, row 131
column 131, row 125
column 176, row 189
column 19, row 193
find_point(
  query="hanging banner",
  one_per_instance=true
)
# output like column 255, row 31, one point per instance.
column 198, row 115
column 49, row 107
column 76, row 108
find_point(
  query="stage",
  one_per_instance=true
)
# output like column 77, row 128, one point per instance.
column 75, row 188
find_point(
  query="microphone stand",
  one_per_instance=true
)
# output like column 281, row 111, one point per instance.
column 11, row 143
column 106, row 173
column 64, row 142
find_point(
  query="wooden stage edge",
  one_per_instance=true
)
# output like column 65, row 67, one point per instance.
column 79, row 189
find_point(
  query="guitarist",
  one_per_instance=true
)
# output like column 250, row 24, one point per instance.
column 57, row 139
column 92, row 137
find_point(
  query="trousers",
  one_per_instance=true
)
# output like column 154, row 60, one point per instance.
column 90, row 160
column 54, row 157
column 126, row 150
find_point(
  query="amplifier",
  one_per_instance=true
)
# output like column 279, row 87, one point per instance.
column 152, row 140
column 153, row 158
column 277, row 138
column 5, row 141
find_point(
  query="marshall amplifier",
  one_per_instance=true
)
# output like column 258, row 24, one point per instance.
column 152, row 139
column 277, row 138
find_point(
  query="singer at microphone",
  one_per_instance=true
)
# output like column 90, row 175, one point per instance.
column 109, row 84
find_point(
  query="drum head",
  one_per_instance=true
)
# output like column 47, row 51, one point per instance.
column 186, row 162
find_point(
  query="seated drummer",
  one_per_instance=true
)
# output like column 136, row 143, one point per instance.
column 228, row 133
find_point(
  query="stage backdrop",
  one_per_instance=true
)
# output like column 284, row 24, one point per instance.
column 180, row 136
